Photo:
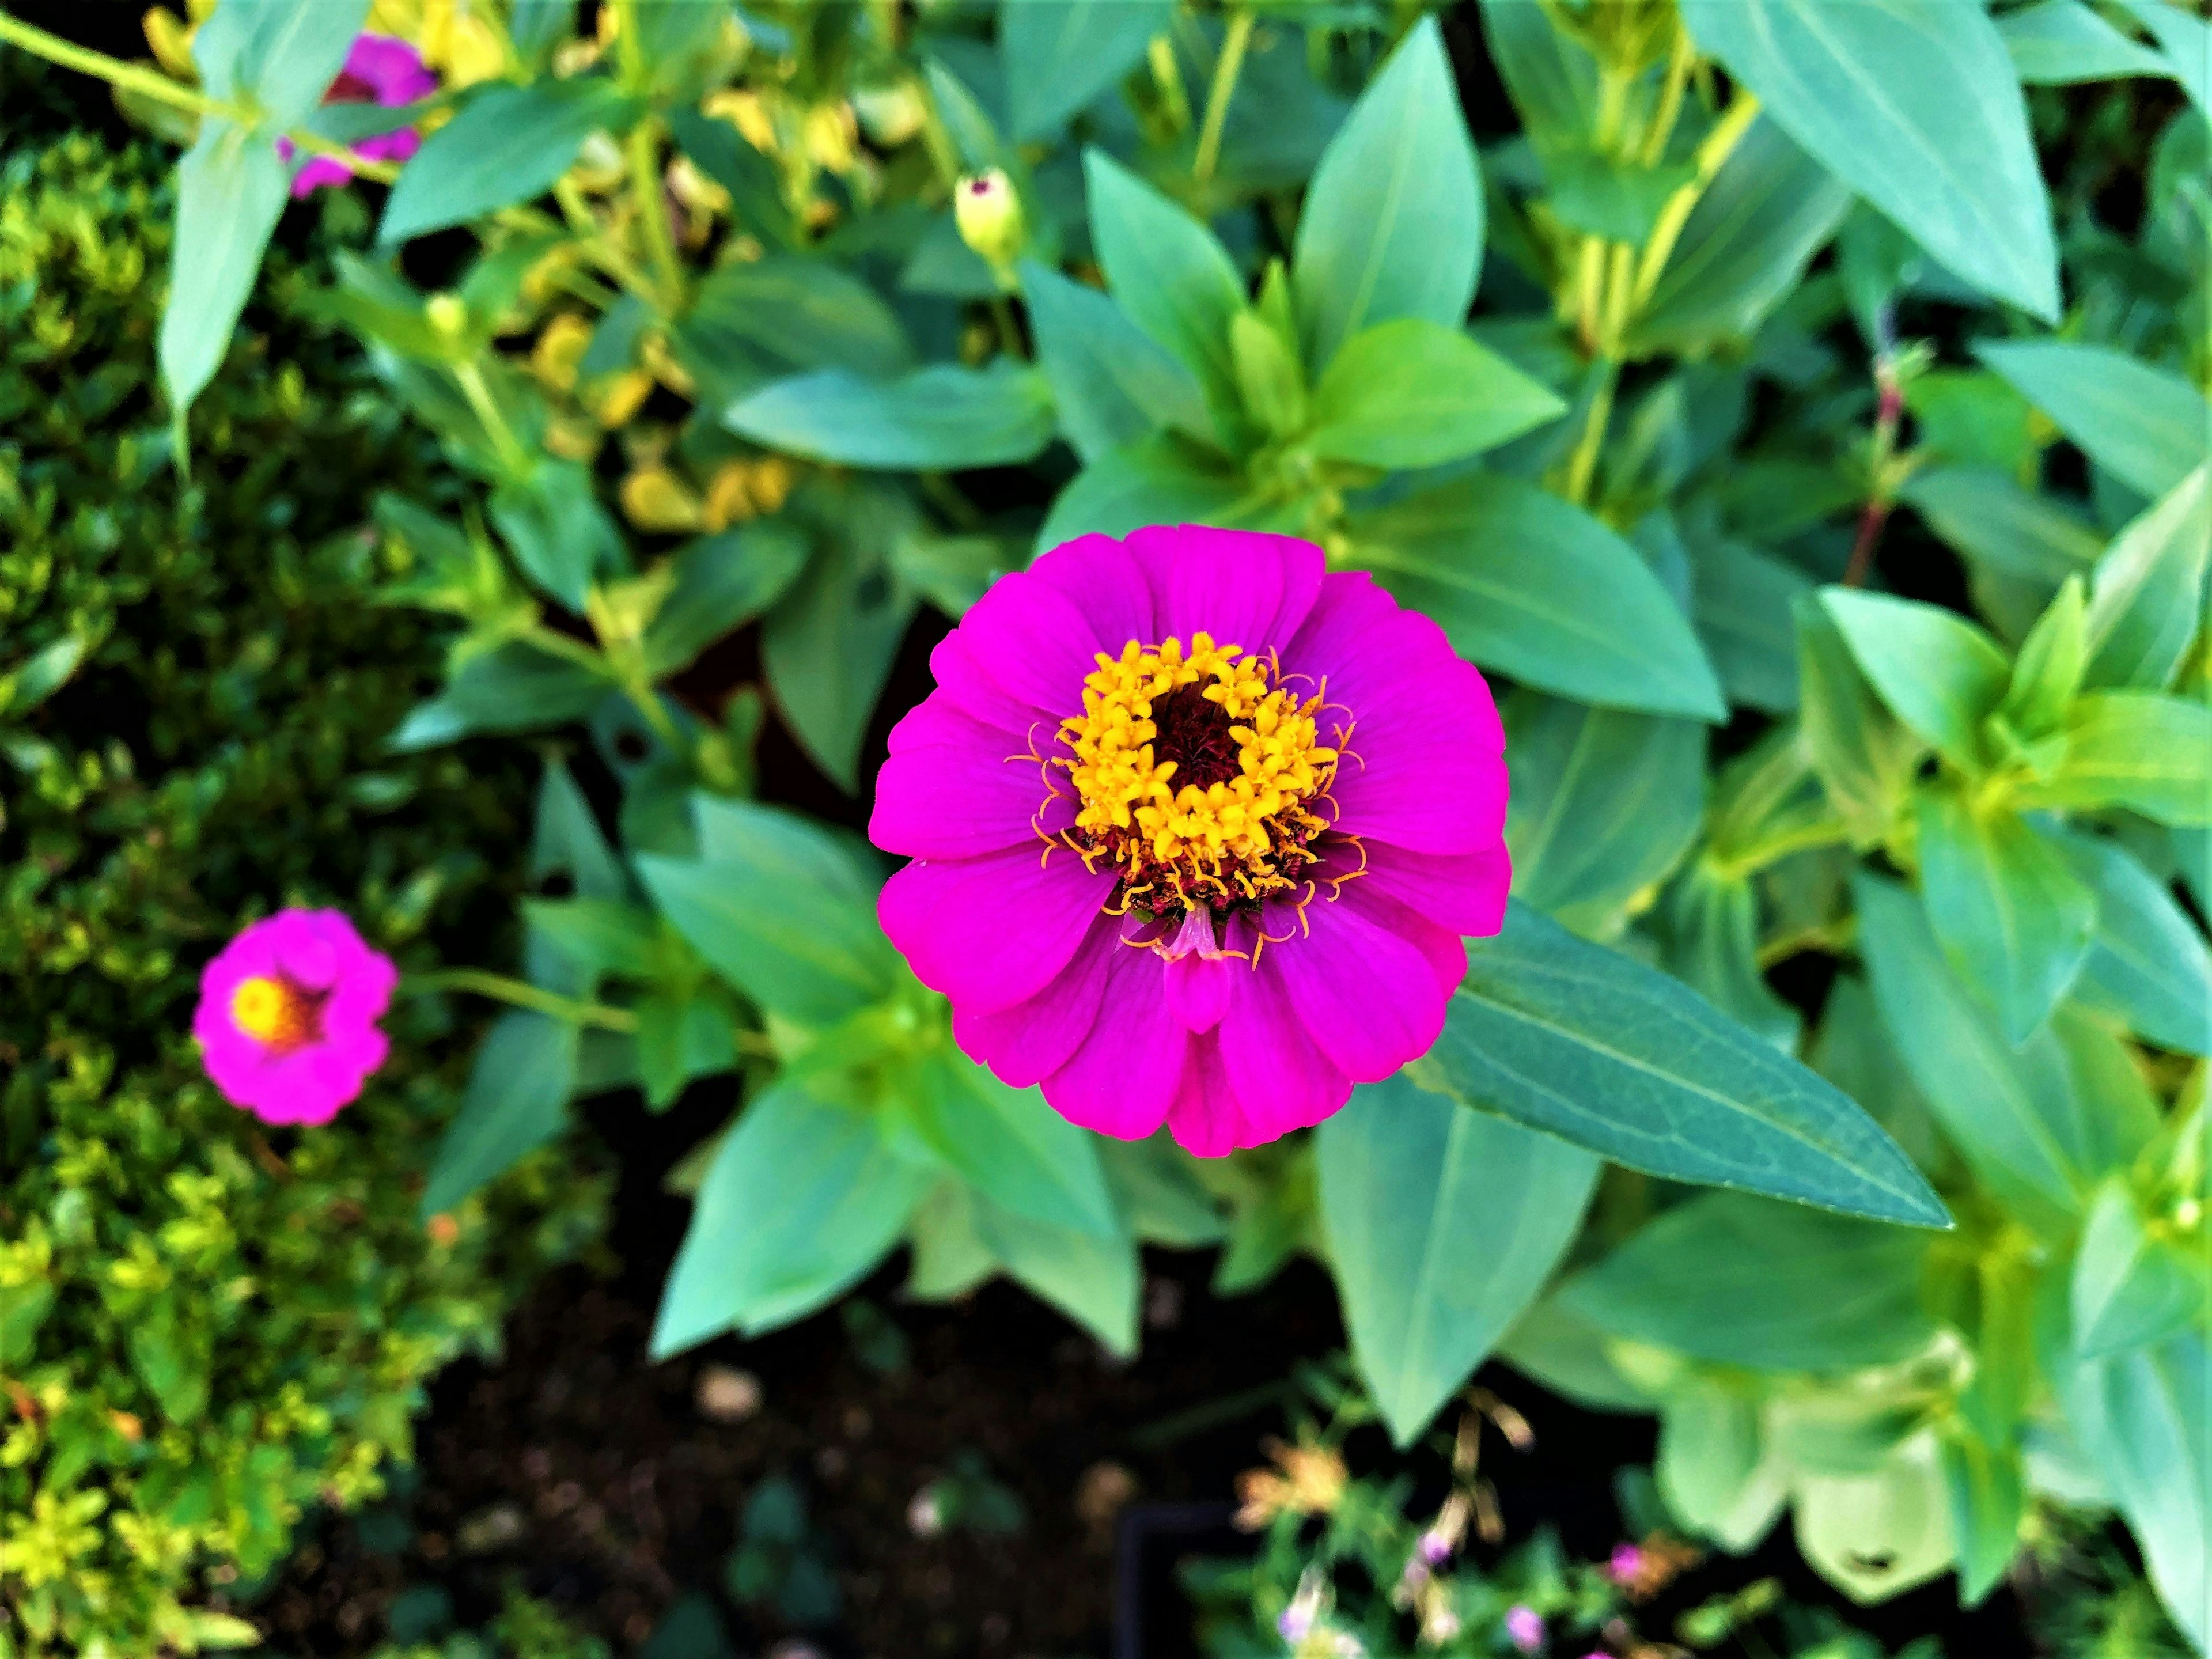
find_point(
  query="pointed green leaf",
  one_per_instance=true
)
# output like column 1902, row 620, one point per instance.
column 1938, row 672
column 1094, row 1280
column 1442, row 1224
column 1586, row 1044
column 231, row 188
column 2059, row 43
column 2146, row 597
column 1058, row 57
column 2147, row 427
column 1167, row 271
column 2130, row 1288
column 1112, row 383
column 2149, row 965
column 507, row 144
column 1161, row 480
column 1010, row 1145
column 2133, row 749
column 1411, row 393
column 942, row 418
column 517, row 1100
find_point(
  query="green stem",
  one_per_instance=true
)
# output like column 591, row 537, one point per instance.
column 1226, row 68
column 1680, row 63
column 512, row 456
column 1799, row 838
column 1583, row 467
column 1727, row 133
column 500, row 989
column 652, row 210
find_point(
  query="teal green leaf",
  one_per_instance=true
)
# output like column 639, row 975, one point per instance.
column 1058, row 57
column 517, row 1100
column 2187, row 40
column 1010, row 1145
column 512, row 688
column 231, row 188
column 552, row 521
column 1713, row 1469
column 1442, row 1224
column 810, row 954
column 1551, row 76
column 1094, row 1280
column 1411, row 393
column 784, row 846
column 802, row 1198
column 722, row 583
column 1392, row 222
column 507, row 144
column 1112, row 383
column 1527, row 584
column 1917, row 108
column 1712, row 946
column 1745, row 1281
column 1744, row 247
column 2149, row 965
column 1992, row 519
column 1604, row 803
column 1938, row 672
column 829, row 644
column 2133, row 749
column 1743, row 603
column 1865, row 757
column 279, row 56
column 1161, row 480
column 1988, row 1492
column 2130, row 1288
column 2147, row 427
column 1586, row 1044
column 756, row 321
column 939, row 419
column 1167, row 270
column 1156, row 1185
column 2013, row 919
column 2147, row 595
column 2058, row 43
column 1613, row 199
column 566, row 838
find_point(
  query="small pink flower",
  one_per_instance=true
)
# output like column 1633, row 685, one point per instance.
column 287, row 1016
column 1197, row 828
column 379, row 70
column 1524, row 1628
column 1626, row 1565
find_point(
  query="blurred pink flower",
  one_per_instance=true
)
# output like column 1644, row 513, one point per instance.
column 1197, row 826
column 379, row 70
column 287, row 1016
column 1627, row 1565
column 1524, row 1628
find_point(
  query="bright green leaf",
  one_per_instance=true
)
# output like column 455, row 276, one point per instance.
column 2147, row 427
column 1058, row 56
column 1161, row 480
column 507, row 144
column 2146, row 597
column 231, row 187
column 1166, row 270
column 517, row 1100
column 2130, row 1288
column 1411, row 393
column 1938, row 672
column 2133, row 748
column 1010, row 1145
column 722, row 583
column 942, row 418
column 2061, row 42
column 1111, row 383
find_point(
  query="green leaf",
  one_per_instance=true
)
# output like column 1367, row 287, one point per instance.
column 512, row 688
column 828, row 647
column 2149, row 965
column 2133, row 748
column 1864, row 756
column 560, row 534
column 784, row 846
column 2013, row 919
column 1712, row 939
column 231, row 188
column 942, row 418
column 1156, row 1185
column 2058, row 43
column 1093, row 1280
column 1603, row 805
column 1713, row 1469
column 1166, row 270
column 2187, row 40
column 2014, row 1112
column 1988, row 1500
column 1918, row 110
column 1530, row 586
column 2146, row 427
column 566, row 838
column 1938, row 672
column 1270, row 380
column 23, row 1309
column 1745, row 1281
column 807, row 953
column 278, row 55
column 1745, row 246
column 2047, row 671
column 1058, row 57
column 42, row 673
column 2130, row 1288
column 600, row 936
column 757, row 321
column 1744, row 604
column 517, row 1100
column 1587, row 1045
column 2145, row 1420
column 722, row 152
column 681, row 1037
column 1392, row 222
column 1988, row 517
column 507, row 144
column 802, row 1198
column 1606, row 197
column 1111, row 384
column 1010, row 1145
column 1159, row 481
column 1551, row 75
column 1411, row 393
column 2147, row 598
column 1442, row 1224
column 171, row 1359
column 722, row 583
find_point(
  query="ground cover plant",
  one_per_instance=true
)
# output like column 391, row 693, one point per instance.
column 1797, row 414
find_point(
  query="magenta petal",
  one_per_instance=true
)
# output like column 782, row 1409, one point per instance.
column 1200, row 988
column 1025, row 1043
column 1108, row 585
column 391, row 67
column 1463, row 892
column 963, row 687
column 1240, row 585
column 1028, row 639
column 1367, row 993
column 993, row 931
column 1208, row 1118
column 965, row 794
column 1121, row 1082
column 320, row 173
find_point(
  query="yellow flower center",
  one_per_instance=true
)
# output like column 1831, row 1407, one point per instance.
column 273, row 1011
column 1196, row 776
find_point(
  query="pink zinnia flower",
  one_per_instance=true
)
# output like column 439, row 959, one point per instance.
column 1524, row 1628
column 287, row 1017
column 1270, row 802
column 1626, row 1565
column 379, row 70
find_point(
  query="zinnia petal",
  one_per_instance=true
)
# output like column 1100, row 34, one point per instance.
column 287, row 1016
column 992, row 931
column 1121, row 1081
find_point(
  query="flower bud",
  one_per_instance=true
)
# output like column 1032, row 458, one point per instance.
column 447, row 314
column 990, row 217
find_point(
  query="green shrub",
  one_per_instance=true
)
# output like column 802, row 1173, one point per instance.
column 207, row 1326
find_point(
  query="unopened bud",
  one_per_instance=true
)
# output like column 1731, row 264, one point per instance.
column 990, row 217
column 447, row 314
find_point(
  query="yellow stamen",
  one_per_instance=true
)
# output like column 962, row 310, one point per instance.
column 1235, row 830
column 272, row 1011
